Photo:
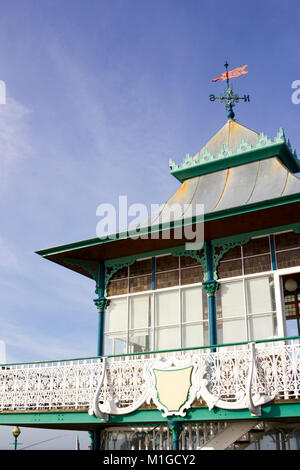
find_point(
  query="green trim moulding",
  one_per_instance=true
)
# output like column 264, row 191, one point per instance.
column 81, row 419
column 148, row 230
column 245, row 153
column 219, row 247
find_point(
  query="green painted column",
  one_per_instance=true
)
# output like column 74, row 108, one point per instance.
column 101, row 303
column 91, row 434
column 153, row 271
column 211, row 286
column 95, row 436
column 273, row 252
column 176, row 428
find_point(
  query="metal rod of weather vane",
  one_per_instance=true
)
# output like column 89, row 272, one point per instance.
column 227, row 79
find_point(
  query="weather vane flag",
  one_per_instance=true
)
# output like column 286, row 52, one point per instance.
column 232, row 73
column 228, row 97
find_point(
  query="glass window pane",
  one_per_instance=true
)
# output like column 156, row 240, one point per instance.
column 195, row 335
column 167, row 338
column 115, row 343
column 191, row 275
column 168, row 279
column 166, row 263
column 141, row 267
column 292, row 328
column 231, row 331
column 140, row 283
column 256, row 246
column 117, row 315
column 290, row 309
column 108, row 345
column 192, row 306
column 260, row 294
column 261, row 327
column 232, row 299
column 257, row 264
column 139, row 341
column 167, row 308
column 288, row 259
column 120, row 345
column 140, row 311
column 117, row 287
column 287, row 240
column 230, row 268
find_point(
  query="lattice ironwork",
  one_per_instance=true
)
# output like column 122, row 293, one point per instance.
column 234, row 378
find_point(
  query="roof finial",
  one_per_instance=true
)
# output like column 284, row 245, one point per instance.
column 228, row 97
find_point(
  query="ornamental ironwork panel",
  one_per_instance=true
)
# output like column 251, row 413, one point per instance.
column 233, row 377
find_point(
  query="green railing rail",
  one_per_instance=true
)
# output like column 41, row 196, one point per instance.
column 145, row 353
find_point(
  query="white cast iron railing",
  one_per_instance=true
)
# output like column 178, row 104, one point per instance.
column 244, row 375
column 66, row 384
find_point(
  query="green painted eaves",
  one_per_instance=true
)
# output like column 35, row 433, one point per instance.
column 243, row 209
column 190, row 168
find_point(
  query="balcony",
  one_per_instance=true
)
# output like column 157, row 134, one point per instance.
column 233, row 376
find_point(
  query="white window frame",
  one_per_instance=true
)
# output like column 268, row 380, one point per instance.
column 246, row 315
column 153, row 328
column 280, row 294
column 278, row 289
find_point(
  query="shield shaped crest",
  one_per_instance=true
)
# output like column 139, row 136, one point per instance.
column 173, row 389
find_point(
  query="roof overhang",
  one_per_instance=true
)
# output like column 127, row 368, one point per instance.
column 265, row 215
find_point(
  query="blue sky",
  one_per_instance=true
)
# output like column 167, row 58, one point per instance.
column 100, row 94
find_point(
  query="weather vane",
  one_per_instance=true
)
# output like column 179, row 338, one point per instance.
column 228, row 97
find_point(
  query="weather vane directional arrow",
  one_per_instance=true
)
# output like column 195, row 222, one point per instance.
column 228, row 97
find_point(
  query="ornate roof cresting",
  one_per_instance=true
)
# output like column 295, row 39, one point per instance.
column 220, row 150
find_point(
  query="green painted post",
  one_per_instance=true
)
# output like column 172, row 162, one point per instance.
column 101, row 303
column 91, row 434
column 97, row 435
column 273, row 252
column 211, row 286
column 176, row 428
column 95, row 439
column 212, row 317
column 153, row 269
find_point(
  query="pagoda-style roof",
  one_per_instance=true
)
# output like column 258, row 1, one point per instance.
column 231, row 135
column 244, row 179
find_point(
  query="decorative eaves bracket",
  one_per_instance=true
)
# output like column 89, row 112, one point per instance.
column 221, row 246
column 114, row 265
